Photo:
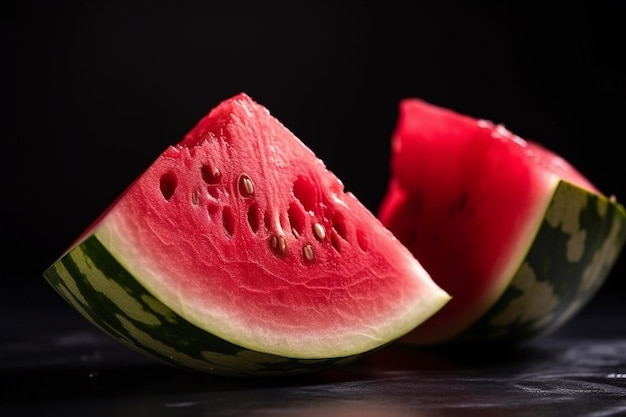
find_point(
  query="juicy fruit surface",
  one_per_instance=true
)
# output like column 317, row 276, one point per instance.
column 242, row 232
column 446, row 151
column 468, row 198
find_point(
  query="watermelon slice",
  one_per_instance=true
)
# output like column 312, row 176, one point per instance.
column 517, row 236
column 238, row 253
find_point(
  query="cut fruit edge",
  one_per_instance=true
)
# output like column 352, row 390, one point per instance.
column 606, row 244
column 421, row 299
column 418, row 297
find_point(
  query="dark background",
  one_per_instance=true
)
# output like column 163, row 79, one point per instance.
column 93, row 92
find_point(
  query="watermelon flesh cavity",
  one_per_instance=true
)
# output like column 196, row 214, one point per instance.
column 241, row 236
column 485, row 212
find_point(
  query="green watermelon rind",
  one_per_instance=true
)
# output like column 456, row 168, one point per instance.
column 588, row 230
column 91, row 280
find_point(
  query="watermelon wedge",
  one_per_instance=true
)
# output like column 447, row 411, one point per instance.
column 518, row 236
column 237, row 252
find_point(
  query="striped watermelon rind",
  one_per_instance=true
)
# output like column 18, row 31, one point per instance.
column 579, row 240
column 99, row 288
column 518, row 236
column 237, row 252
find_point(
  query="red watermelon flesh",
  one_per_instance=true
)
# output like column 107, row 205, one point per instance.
column 243, row 231
column 466, row 197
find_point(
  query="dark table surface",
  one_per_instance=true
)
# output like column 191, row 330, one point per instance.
column 55, row 363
